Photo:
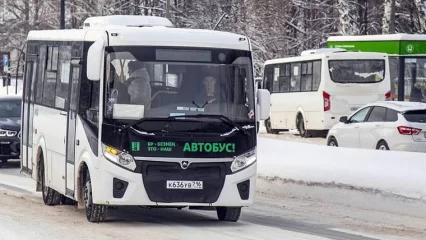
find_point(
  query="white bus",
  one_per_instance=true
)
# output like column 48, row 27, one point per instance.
column 312, row 91
column 129, row 110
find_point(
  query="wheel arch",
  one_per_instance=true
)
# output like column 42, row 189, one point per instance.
column 41, row 152
column 84, row 166
column 300, row 112
column 380, row 141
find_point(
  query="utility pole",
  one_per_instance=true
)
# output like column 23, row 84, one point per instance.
column 62, row 20
column 168, row 9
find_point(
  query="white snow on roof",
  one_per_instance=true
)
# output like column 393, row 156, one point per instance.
column 401, row 106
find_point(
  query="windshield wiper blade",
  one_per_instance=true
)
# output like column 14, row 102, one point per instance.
column 220, row 117
column 145, row 120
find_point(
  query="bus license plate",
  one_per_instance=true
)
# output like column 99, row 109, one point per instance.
column 184, row 185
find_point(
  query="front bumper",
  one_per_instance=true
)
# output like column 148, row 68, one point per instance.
column 148, row 188
column 10, row 148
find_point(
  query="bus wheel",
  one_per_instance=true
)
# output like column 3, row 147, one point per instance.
column 50, row 196
column 94, row 212
column 301, row 126
column 269, row 127
column 228, row 214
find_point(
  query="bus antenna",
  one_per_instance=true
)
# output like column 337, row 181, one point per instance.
column 220, row 20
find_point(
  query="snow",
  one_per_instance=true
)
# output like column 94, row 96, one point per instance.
column 10, row 90
column 401, row 173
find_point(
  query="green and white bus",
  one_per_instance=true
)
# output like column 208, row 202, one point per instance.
column 407, row 60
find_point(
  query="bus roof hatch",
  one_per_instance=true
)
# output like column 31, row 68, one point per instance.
column 127, row 21
column 322, row 51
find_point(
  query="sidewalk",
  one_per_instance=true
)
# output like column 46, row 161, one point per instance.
column 11, row 179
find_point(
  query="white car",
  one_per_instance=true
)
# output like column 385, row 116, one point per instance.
column 388, row 125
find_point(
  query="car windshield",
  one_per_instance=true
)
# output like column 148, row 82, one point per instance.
column 10, row 108
column 357, row 71
column 172, row 82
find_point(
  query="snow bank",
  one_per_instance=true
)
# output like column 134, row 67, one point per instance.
column 401, row 173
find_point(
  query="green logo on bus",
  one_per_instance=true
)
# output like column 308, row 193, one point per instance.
column 136, row 146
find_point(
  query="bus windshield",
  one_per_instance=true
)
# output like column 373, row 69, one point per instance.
column 172, row 82
column 357, row 71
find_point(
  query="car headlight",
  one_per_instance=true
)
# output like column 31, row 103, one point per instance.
column 7, row 133
column 118, row 157
column 243, row 161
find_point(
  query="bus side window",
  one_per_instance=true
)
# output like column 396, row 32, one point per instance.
column 269, row 75
column 63, row 80
column 295, row 77
column 49, row 85
column 284, row 78
column 41, row 73
column 316, row 72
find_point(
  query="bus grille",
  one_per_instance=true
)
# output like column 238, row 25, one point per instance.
column 156, row 174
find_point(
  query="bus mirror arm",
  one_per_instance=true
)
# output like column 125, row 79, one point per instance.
column 263, row 102
column 94, row 60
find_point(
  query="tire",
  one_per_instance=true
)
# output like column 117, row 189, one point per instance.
column 4, row 161
column 50, row 196
column 301, row 126
column 269, row 127
column 228, row 214
column 382, row 145
column 94, row 212
column 258, row 126
column 332, row 142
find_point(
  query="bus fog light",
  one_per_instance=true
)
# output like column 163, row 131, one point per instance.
column 243, row 161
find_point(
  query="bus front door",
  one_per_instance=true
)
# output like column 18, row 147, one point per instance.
column 71, row 128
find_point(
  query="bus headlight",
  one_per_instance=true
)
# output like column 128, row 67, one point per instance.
column 243, row 161
column 118, row 157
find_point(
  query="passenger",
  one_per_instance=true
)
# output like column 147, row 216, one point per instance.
column 139, row 88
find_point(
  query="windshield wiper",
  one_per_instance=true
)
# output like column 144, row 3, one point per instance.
column 220, row 117
column 146, row 120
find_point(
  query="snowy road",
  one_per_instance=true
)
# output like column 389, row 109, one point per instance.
column 282, row 211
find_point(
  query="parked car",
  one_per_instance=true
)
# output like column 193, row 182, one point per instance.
column 10, row 127
column 388, row 125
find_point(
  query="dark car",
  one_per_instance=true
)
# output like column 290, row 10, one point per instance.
column 10, row 127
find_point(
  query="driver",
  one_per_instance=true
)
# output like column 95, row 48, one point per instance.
column 208, row 94
column 139, row 88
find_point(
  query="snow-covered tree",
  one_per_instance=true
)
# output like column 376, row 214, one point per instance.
column 348, row 17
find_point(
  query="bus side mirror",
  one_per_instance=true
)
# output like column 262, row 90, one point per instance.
column 264, row 103
column 95, row 60
column 128, row 112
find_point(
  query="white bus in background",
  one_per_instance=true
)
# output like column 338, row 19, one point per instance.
column 132, row 111
column 312, row 91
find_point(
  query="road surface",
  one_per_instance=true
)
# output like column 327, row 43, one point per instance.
column 283, row 211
